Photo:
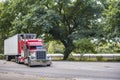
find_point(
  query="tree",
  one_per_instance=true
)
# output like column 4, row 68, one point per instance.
column 63, row 20
column 112, row 19
column 71, row 18
column 5, row 22
column 22, row 22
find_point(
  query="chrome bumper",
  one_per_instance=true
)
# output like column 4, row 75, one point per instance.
column 41, row 62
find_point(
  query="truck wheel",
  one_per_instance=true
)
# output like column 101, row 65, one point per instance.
column 17, row 60
column 48, row 64
column 29, row 63
column 8, row 58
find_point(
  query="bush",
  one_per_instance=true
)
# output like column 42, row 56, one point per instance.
column 55, row 47
column 71, row 58
column 84, row 46
column 2, row 56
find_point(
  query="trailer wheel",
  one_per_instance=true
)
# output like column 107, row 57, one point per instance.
column 8, row 58
column 16, row 59
column 29, row 63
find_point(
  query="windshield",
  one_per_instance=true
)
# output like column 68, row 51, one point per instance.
column 35, row 47
column 30, row 36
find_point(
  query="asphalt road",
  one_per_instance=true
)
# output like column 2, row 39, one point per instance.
column 66, row 70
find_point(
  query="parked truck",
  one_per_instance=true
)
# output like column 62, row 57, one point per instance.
column 25, row 48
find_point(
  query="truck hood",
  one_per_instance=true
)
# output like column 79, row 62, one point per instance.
column 34, row 43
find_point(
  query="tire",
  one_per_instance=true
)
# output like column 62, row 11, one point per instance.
column 48, row 64
column 8, row 58
column 29, row 63
column 17, row 60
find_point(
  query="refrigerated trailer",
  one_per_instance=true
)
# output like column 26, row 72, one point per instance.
column 25, row 48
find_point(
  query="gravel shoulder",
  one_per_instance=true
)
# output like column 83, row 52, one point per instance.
column 16, row 76
column 61, row 70
column 20, row 76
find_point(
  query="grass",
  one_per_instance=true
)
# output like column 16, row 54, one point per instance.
column 42, row 79
column 96, row 59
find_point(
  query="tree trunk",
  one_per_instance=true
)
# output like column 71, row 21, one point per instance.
column 69, row 47
column 67, row 51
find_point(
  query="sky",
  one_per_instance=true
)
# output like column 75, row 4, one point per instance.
column 1, row 0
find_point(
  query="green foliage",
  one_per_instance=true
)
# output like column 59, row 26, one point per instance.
column 112, row 19
column 84, row 46
column 55, row 47
column 2, row 56
column 118, row 59
column 106, row 46
column 51, row 47
column 102, row 46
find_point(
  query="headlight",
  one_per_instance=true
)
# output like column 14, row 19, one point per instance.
column 49, row 58
column 33, row 56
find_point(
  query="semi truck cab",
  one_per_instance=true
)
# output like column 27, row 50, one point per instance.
column 30, row 50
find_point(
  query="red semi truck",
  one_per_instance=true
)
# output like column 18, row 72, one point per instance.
column 25, row 48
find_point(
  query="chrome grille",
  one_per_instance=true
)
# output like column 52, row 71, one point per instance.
column 41, row 55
